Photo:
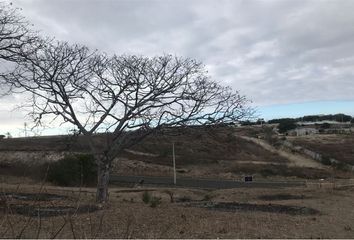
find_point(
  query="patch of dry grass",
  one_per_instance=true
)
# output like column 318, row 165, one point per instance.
column 337, row 146
column 127, row 216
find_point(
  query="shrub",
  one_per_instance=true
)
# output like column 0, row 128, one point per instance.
column 21, row 169
column 152, row 200
column 207, row 197
column 286, row 126
column 184, row 199
column 340, row 166
column 267, row 172
column 74, row 170
column 165, row 152
column 325, row 126
column 326, row 160
column 155, row 201
column 146, row 197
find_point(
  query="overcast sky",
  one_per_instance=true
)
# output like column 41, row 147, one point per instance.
column 274, row 52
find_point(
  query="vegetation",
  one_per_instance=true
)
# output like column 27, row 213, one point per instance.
column 316, row 118
column 326, row 160
column 280, row 120
column 338, row 147
column 340, row 166
column 146, row 197
column 151, row 200
column 300, row 172
column 111, row 92
column 325, row 126
column 73, row 170
column 336, row 117
column 287, row 125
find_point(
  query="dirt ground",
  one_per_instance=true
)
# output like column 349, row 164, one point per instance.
column 32, row 210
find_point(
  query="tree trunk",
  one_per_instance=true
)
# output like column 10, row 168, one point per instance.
column 103, row 170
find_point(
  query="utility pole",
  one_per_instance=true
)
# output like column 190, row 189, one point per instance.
column 174, row 163
column 25, row 125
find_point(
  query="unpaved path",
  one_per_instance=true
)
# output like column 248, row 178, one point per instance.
column 295, row 159
column 141, row 153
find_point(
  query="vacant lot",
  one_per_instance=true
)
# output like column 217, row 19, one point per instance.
column 337, row 146
column 31, row 211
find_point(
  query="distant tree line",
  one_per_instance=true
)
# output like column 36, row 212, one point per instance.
column 310, row 118
column 316, row 118
column 286, row 124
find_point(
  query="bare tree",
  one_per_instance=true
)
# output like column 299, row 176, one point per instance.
column 127, row 97
column 16, row 37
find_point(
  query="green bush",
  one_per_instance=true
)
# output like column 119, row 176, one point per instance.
column 152, row 200
column 74, row 170
column 285, row 126
column 326, row 160
column 155, row 201
column 340, row 166
column 146, row 197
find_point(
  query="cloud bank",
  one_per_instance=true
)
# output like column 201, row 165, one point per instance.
column 274, row 52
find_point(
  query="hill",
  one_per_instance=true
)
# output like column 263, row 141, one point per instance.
column 221, row 152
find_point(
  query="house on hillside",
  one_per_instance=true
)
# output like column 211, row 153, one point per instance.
column 301, row 131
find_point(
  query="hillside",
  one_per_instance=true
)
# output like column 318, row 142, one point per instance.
column 200, row 152
column 339, row 147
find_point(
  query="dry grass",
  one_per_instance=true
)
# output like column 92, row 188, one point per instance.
column 193, row 146
column 182, row 213
column 126, row 216
column 337, row 146
column 212, row 153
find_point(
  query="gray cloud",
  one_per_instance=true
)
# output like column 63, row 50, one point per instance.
column 275, row 52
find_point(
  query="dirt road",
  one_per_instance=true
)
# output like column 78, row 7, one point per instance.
column 295, row 159
column 203, row 183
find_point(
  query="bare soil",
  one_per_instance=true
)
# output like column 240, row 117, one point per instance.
column 234, row 213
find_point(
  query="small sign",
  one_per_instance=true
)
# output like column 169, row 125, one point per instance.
column 248, row 179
